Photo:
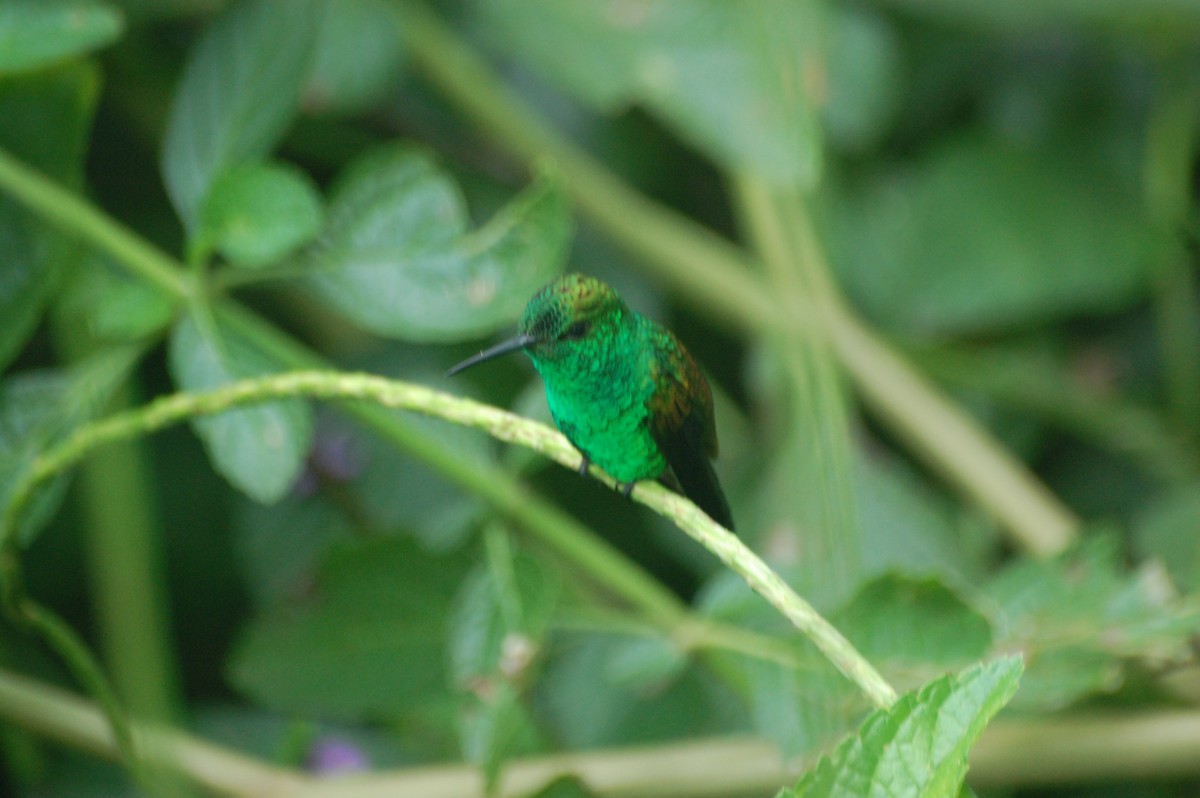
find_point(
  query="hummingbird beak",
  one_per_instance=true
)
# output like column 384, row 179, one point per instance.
column 502, row 348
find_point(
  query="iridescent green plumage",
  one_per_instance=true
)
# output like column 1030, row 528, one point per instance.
column 622, row 388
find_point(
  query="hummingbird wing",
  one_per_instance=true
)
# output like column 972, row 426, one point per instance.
column 681, row 423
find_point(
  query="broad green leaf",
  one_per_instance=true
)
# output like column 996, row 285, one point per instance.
column 907, row 525
column 917, row 748
column 583, row 706
column 397, row 258
column 905, row 623
column 260, row 449
column 645, row 662
column 239, row 91
column 280, row 548
column 359, row 56
column 370, row 643
column 500, row 620
column 1168, row 529
column 46, row 119
column 38, row 410
column 1077, row 617
column 257, row 213
column 35, row 33
column 440, row 514
column 739, row 81
column 979, row 235
column 865, row 68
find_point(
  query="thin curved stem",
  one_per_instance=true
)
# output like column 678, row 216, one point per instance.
column 496, row 422
column 76, row 216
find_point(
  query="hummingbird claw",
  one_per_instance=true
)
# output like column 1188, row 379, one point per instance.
column 626, row 489
column 584, row 466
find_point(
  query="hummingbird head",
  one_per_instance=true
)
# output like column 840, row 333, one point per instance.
column 568, row 314
column 561, row 320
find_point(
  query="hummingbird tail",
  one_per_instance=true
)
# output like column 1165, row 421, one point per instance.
column 688, row 459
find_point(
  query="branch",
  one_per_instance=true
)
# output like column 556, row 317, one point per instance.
column 1012, row 752
column 498, row 423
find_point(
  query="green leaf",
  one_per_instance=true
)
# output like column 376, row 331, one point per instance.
column 1077, row 617
column 917, row 747
column 38, row 410
column 47, row 117
column 257, row 213
column 646, row 662
column 979, row 235
column 500, row 620
column 584, row 706
column 36, row 33
column 359, row 56
column 865, row 68
column 900, row 621
column 907, row 525
column 440, row 514
column 280, row 548
column 260, row 449
column 370, row 642
column 1167, row 530
column 396, row 256
column 738, row 81
column 239, row 91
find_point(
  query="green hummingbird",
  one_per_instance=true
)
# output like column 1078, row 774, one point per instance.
column 622, row 389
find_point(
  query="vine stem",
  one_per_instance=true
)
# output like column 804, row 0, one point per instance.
column 1012, row 752
column 500, row 424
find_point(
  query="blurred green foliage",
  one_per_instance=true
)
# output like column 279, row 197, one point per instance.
column 1004, row 192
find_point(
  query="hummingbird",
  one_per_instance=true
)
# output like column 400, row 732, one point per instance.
column 622, row 388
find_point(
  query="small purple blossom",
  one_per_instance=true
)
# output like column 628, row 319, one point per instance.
column 334, row 755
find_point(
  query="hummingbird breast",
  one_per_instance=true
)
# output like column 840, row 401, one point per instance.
column 600, row 401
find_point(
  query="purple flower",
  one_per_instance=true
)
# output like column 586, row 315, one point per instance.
column 333, row 755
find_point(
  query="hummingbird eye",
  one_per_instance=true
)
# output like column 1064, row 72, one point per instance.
column 576, row 331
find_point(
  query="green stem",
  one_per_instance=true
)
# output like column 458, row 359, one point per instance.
column 68, row 719
column 817, row 414
column 965, row 455
column 63, row 640
column 718, row 276
column 1029, row 386
column 77, row 217
column 500, row 424
column 1013, row 752
column 125, row 562
column 1167, row 177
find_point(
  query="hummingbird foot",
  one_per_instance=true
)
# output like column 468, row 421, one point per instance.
column 584, row 466
column 626, row 488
